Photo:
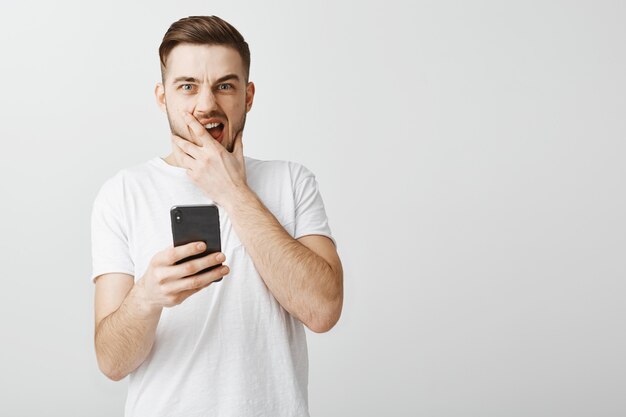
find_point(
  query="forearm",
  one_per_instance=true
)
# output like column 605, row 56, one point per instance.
column 300, row 280
column 124, row 338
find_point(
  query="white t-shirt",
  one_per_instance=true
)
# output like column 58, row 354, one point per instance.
column 230, row 349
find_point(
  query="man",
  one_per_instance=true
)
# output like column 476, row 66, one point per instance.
column 192, row 346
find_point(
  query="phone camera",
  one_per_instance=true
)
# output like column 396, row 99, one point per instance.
column 178, row 216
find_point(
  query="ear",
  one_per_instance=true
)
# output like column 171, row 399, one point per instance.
column 249, row 96
column 159, row 93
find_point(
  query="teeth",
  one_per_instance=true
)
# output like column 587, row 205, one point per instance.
column 212, row 125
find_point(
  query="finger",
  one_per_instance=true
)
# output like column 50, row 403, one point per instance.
column 172, row 254
column 197, row 281
column 194, row 266
column 199, row 132
column 182, row 296
column 187, row 148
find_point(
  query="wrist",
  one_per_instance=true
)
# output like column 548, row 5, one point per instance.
column 239, row 196
column 140, row 304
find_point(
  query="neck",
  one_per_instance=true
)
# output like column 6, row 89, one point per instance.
column 171, row 160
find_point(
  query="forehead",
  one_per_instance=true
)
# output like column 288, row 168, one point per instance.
column 203, row 61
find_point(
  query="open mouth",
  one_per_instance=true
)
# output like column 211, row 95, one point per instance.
column 216, row 130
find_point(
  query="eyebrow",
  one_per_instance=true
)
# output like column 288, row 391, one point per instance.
column 194, row 80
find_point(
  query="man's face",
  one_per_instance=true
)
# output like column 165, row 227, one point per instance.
column 208, row 82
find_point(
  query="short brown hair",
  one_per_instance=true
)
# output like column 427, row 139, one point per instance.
column 204, row 30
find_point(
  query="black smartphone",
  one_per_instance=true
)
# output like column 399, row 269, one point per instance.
column 195, row 223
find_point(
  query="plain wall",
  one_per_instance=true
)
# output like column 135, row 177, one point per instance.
column 470, row 155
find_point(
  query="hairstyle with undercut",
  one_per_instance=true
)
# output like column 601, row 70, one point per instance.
column 204, row 30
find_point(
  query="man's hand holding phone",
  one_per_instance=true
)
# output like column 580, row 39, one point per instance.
column 166, row 284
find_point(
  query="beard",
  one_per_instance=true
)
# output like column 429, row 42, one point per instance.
column 229, row 136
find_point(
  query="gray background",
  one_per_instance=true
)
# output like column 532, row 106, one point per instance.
column 470, row 156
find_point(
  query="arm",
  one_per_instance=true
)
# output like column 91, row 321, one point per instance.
column 127, row 314
column 305, row 276
column 123, row 337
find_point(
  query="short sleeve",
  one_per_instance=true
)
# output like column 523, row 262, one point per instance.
column 310, row 216
column 109, row 235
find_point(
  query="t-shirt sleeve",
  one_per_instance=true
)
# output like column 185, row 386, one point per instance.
column 310, row 216
column 109, row 234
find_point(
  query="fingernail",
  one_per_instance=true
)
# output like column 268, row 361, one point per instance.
column 220, row 257
column 200, row 245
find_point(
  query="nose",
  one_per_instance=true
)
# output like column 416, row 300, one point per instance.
column 205, row 101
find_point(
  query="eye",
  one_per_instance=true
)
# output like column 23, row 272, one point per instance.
column 230, row 86
column 186, row 85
